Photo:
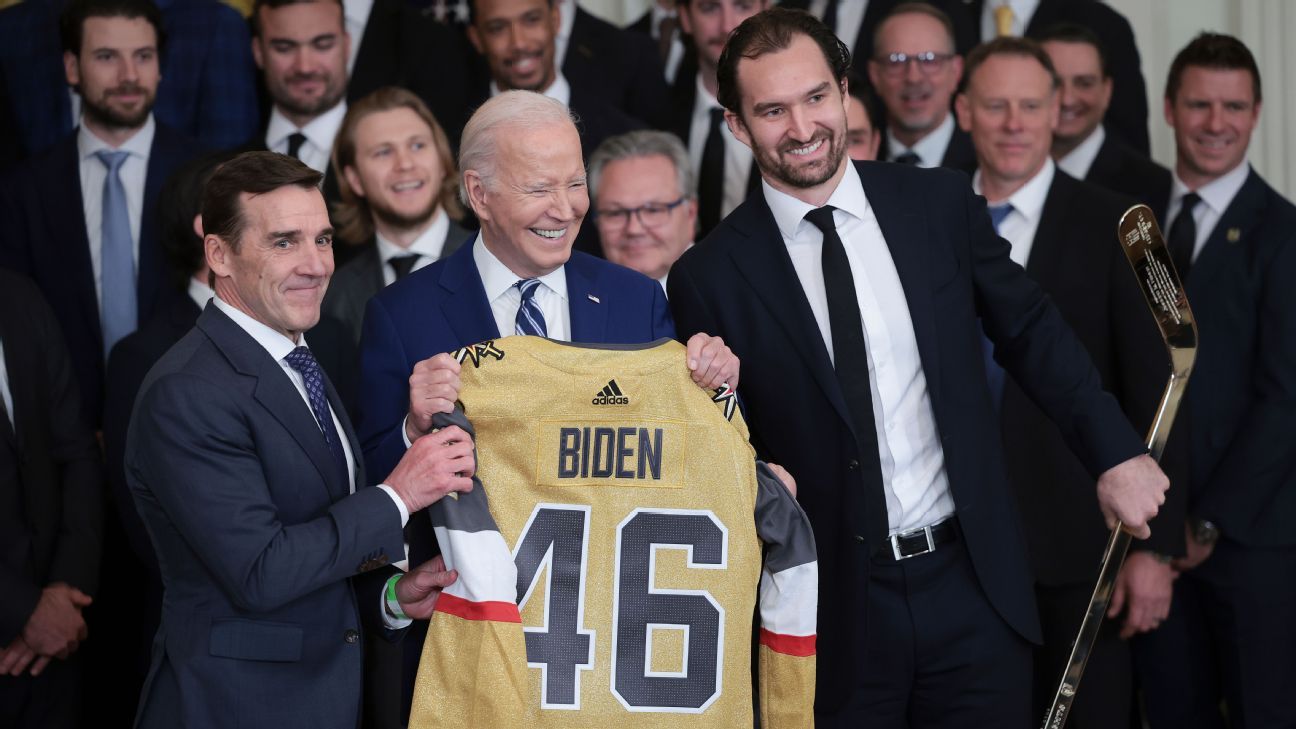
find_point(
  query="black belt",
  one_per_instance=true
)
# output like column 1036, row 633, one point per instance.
column 920, row 541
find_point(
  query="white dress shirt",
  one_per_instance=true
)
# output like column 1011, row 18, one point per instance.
column 1079, row 160
column 559, row 90
column 319, row 133
column 850, row 16
column 93, row 174
column 1019, row 226
column 5, row 393
column 1023, row 11
column 738, row 157
column 913, row 462
column 200, row 293
column 1216, row 196
column 428, row 246
column 930, row 149
column 505, row 298
column 355, row 13
column 566, row 19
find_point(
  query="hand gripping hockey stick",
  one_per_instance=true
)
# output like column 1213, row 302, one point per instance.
column 1141, row 240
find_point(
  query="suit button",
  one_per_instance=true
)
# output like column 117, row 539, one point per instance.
column 351, row 636
column 853, row 465
column 859, row 539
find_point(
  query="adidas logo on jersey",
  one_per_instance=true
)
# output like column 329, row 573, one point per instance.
column 610, row 395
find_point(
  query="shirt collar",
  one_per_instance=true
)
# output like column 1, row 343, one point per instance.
column 931, row 148
column 1079, row 161
column 429, row 243
column 559, row 90
column 658, row 15
column 1028, row 200
column 276, row 344
column 705, row 102
column 789, row 212
column 566, row 18
column 1219, row 192
column 319, row 131
column 357, row 11
column 497, row 279
column 200, row 293
column 139, row 145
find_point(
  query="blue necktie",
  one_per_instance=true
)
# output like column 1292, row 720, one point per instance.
column 994, row 373
column 530, row 320
column 118, row 312
column 303, row 361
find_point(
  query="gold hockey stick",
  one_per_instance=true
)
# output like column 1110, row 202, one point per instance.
column 1141, row 240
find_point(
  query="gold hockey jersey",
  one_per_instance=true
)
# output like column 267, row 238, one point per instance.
column 611, row 576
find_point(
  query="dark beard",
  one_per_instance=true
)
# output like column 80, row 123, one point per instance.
column 401, row 221
column 313, row 109
column 104, row 115
column 803, row 178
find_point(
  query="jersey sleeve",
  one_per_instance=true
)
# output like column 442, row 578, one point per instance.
column 472, row 671
column 789, row 590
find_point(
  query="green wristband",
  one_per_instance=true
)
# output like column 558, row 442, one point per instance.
column 393, row 604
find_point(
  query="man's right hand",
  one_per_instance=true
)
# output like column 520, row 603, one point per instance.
column 435, row 465
column 56, row 627
column 434, row 387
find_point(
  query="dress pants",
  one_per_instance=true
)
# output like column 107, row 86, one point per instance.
column 51, row 700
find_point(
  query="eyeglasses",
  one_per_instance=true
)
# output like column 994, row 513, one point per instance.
column 929, row 62
column 651, row 215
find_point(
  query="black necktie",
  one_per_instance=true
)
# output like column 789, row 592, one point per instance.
column 402, row 265
column 830, row 16
column 1183, row 235
column 850, row 360
column 908, row 158
column 711, row 179
column 295, row 142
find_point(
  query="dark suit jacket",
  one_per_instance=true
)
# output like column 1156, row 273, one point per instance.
column 403, row 47
column 740, row 284
column 443, row 307
column 619, row 67
column 1119, row 168
column 355, row 283
column 959, row 155
column 51, row 479
column 257, row 540
column 1076, row 258
column 1128, row 114
column 44, row 237
column 1241, row 402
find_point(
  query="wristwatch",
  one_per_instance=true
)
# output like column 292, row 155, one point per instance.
column 1203, row 531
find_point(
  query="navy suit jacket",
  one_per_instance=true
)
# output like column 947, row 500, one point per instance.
column 44, row 237
column 739, row 283
column 1242, row 396
column 257, row 540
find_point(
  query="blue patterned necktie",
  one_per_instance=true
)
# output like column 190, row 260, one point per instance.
column 118, row 312
column 303, row 361
column 994, row 373
column 530, row 320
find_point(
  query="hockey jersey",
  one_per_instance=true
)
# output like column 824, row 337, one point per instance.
column 610, row 554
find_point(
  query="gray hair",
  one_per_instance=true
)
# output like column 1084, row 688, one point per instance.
column 644, row 143
column 511, row 110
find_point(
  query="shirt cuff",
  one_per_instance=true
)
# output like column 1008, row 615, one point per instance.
column 400, row 503
column 389, row 620
column 405, row 434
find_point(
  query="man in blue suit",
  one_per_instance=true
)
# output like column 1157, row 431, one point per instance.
column 244, row 468
column 522, row 174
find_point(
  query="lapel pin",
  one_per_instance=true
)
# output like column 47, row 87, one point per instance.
column 1234, row 235
column 595, row 299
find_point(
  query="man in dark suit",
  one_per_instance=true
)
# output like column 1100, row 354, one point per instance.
column 723, row 165
column 1081, row 145
column 1063, row 232
column 244, row 468
column 926, row 614
column 619, row 66
column 916, row 71
column 79, row 217
column 524, row 179
column 1127, row 117
column 661, row 23
column 400, row 198
column 1229, row 638
column 51, row 516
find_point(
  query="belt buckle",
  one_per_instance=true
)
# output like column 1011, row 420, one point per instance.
column 895, row 543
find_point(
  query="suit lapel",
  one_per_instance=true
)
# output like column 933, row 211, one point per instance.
column 465, row 306
column 585, row 303
column 1045, row 250
column 63, row 201
column 1233, row 229
column 375, row 64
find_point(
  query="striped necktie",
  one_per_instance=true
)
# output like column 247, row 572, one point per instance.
column 530, row 320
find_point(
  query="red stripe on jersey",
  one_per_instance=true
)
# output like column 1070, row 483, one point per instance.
column 499, row 612
column 791, row 645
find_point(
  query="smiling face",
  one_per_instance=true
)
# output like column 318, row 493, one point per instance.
column 397, row 169
column 532, row 208
column 635, row 182
column 278, row 272
column 517, row 39
column 916, row 100
column 302, row 48
column 793, row 116
column 1085, row 92
column 709, row 23
column 117, row 71
column 1009, row 109
column 1213, row 114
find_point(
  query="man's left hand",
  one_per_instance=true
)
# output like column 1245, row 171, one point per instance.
column 1131, row 492
column 1144, row 590
column 418, row 590
column 711, row 362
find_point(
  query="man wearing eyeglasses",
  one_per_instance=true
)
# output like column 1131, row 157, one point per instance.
column 916, row 72
column 645, row 201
